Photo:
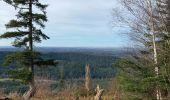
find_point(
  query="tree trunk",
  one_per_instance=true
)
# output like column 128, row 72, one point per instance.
column 31, row 92
column 152, row 32
column 32, row 88
column 99, row 93
column 87, row 78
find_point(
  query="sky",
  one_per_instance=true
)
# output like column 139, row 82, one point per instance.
column 75, row 23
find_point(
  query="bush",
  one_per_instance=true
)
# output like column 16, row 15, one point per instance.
column 82, row 92
column 10, row 86
column 57, row 87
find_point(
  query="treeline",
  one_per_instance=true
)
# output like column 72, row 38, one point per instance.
column 74, row 64
column 147, row 75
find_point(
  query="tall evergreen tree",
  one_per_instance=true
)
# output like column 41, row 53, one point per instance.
column 26, row 30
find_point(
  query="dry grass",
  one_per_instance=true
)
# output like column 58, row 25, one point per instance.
column 13, row 96
column 64, row 95
column 45, row 93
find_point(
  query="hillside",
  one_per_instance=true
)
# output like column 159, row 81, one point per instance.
column 73, row 61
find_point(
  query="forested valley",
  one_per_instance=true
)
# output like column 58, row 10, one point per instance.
column 136, row 67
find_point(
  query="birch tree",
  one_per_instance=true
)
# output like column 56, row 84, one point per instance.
column 144, row 22
column 152, row 32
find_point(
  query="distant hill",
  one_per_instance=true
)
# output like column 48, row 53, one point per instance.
column 97, row 51
column 73, row 60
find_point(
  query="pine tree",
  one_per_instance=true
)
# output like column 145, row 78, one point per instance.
column 26, row 31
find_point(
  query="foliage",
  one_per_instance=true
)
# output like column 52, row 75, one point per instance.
column 72, row 64
column 25, row 32
column 82, row 92
column 8, row 86
column 137, row 77
column 148, row 71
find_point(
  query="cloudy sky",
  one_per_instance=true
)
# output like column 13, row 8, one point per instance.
column 75, row 23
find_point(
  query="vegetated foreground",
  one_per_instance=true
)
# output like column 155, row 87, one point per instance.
column 66, row 80
column 72, row 89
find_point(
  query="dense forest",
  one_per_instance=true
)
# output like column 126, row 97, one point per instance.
column 73, row 64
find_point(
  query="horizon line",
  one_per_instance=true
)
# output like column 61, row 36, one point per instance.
column 66, row 47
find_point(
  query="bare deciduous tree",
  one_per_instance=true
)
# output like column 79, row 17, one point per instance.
column 142, row 18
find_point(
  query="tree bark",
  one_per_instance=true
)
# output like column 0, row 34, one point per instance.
column 87, row 78
column 31, row 92
column 32, row 88
column 99, row 93
column 152, row 32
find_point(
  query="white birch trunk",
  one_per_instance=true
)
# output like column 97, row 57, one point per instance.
column 152, row 32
